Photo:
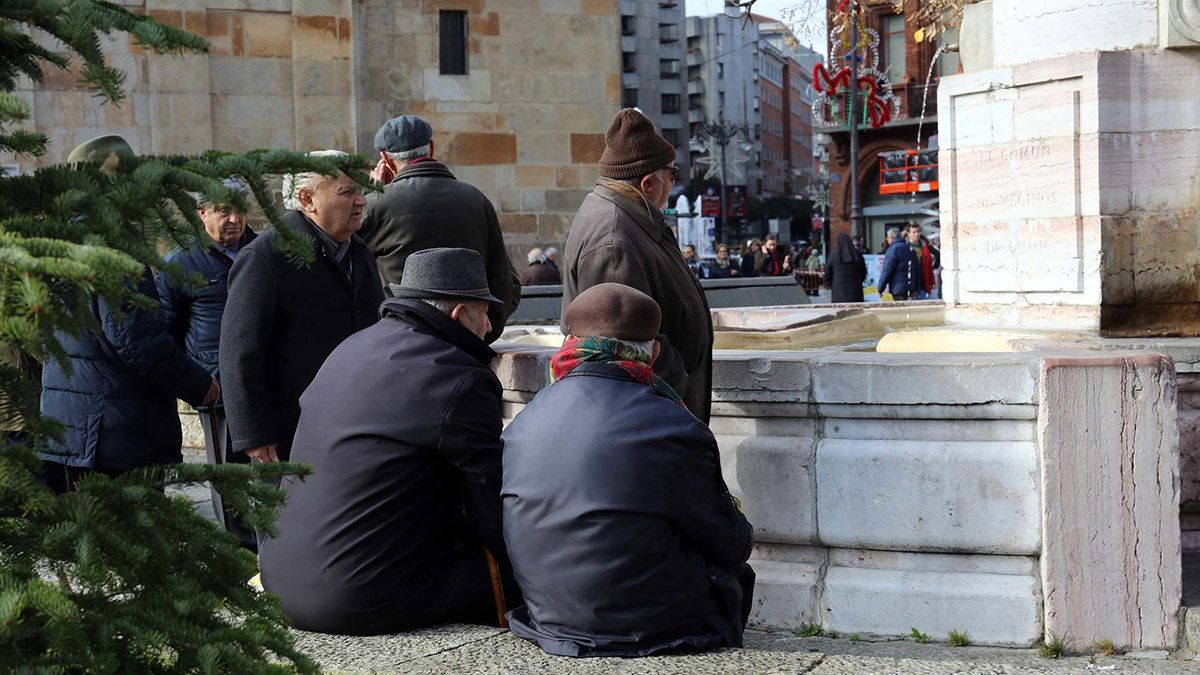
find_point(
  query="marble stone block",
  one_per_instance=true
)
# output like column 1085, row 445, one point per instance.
column 1110, row 480
column 979, row 497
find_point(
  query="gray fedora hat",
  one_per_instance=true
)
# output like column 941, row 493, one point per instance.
column 444, row 274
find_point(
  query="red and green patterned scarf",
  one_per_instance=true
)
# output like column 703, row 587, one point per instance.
column 596, row 350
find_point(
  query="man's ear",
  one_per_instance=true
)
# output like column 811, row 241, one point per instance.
column 648, row 186
column 304, row 195
column 432, row 148
column 656, row 353
column 458, row 311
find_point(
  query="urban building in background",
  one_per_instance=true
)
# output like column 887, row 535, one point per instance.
column 652, row 45
column 898, row 184
column 754, row 74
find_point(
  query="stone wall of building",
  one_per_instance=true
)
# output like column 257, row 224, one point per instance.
column 525, row 124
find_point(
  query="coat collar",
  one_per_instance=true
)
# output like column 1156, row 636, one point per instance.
column 420, row 314
column 652, row 221
column 304, row 225
column 423, row 169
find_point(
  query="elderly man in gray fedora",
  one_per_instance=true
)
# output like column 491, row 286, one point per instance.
column 424, row 206
column 402, row 428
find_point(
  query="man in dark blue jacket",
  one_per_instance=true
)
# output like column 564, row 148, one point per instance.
column 402, row 429
column 193, row 317
column 117, row 401
column 901, row 273
column 622, row 534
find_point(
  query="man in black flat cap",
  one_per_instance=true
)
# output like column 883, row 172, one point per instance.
column 402, row 429
column 622, row 534
column 620, row 235
column 424, row 206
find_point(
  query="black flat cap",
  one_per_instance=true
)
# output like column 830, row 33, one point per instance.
column 403, row 133
column 613, row 311
column 444, row 274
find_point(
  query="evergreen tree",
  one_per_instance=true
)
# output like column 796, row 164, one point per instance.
column 117, row 576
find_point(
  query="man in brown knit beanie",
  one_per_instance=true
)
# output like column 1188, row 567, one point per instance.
column 620, row 236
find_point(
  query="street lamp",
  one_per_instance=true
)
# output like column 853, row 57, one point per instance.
column 856, row 225
column 721, row 132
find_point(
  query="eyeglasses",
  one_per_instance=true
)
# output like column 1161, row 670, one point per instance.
column 674, row 173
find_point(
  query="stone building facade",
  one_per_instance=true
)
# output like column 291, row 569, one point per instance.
column 524, row 123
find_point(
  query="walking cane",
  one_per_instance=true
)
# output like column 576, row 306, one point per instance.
column 497, row 588
column 216, row 457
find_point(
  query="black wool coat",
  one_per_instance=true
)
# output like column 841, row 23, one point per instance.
column 427, row 207
column 614, row 512
column 616, row 239
column 193, row 313
column 280, row 323
column 845, row 279
column 402, row 429
column 118, row 400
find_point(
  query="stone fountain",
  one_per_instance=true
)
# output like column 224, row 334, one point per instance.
column 1008, row 464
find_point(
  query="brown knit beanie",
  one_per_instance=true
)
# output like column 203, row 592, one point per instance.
column 633, row 147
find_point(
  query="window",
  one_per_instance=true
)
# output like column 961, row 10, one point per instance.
column 893, row 47
column 670, row 103
column 672, row 136
column 629, row 98
column 720, row 70
column 720, row 99
column 628, row 25
column 720, row 40
column 452, row 44
column 628, row 62
column 948, row 62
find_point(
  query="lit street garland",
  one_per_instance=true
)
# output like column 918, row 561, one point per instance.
column 880, row 103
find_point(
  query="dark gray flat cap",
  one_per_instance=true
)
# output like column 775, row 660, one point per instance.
column 403, row 133
column 444, row 274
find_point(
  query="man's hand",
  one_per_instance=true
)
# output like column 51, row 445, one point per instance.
column 263, row 454
column 214, row 392
column 383, row 173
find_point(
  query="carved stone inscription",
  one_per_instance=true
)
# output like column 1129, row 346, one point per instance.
column 1018, row 219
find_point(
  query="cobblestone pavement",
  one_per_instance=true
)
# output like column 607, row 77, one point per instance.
column 476, row 649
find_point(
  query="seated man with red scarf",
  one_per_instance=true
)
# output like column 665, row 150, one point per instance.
column 620, row 529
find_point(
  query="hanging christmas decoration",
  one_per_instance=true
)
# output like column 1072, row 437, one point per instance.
column 880, row 103
column 736, row 160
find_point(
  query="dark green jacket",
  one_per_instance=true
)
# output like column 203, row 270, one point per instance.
column 427, row 207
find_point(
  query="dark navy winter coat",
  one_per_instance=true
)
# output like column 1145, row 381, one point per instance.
column 402, row 429
column 901, row 271
column 118, row 402
column 618, row 523
column 193, row 313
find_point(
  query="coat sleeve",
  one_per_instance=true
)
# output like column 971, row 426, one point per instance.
column 704, row 509
column 612, row 263
column 503, row 280
column 889, row 268
column 174, row 307
column 828, row 278
column 247, row 336
column 470, row 441
column 140, row 340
